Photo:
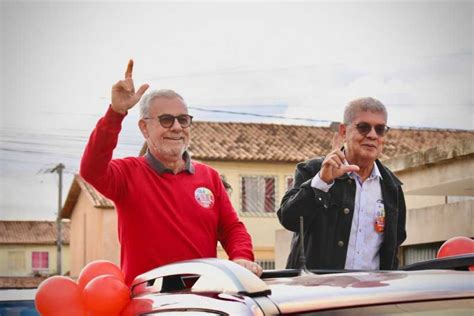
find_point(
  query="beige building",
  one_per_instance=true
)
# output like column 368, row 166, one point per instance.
column 258, row 160
column 93, row 224
column 439, row 188
column 28, row 248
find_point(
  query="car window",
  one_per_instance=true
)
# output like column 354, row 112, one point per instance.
column 432, row 308
column 23, row 308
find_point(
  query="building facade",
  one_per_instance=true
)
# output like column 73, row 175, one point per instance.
column 29, row 248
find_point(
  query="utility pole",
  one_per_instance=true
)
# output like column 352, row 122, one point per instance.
column 59, row 169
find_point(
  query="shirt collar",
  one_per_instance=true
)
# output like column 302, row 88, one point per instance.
column 373, row 175
column 160, row 168
column 376, row 172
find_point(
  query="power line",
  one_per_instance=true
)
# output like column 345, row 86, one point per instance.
column 261, row 115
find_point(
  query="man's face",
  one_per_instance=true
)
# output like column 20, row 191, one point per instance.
column 364, row 149
column 166, row 144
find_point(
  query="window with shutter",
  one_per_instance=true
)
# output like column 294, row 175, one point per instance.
column 258, row 194
column 39, row 260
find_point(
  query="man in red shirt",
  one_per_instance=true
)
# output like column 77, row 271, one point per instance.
column 170, row 208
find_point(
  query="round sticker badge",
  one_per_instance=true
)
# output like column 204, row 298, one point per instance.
column 204, row 197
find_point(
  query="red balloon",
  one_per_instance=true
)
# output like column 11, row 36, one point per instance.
column 456, row 246
column 96, row 268
column 106, row 294
column 60, row 296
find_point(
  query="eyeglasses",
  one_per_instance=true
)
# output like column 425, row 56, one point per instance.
column 365, row 128
column 167, row 120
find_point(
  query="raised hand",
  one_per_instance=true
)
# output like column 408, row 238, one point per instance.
column 124, row 96
column 335, row 163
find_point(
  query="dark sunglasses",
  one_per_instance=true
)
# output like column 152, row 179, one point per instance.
column 365, row 128
column 167, row 120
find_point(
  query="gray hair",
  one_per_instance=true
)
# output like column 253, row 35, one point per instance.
column 363, row 105
column 149, row 97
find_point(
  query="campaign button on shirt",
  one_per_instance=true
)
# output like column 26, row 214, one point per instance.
column 204, row 197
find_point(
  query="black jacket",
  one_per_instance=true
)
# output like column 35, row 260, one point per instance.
column 328, row 218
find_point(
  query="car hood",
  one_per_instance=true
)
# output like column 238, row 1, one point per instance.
column 311, row 292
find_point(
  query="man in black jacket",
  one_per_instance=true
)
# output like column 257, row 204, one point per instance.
column 353, row 206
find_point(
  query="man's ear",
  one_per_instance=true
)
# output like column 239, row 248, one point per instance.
column 143, row 129
column 342, row 129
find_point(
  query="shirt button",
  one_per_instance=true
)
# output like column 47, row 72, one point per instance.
column 347, row 211
column 340, row 243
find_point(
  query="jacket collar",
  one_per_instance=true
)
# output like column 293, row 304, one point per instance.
column 387, row 175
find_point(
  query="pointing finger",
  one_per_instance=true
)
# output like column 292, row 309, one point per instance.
column 128, row 72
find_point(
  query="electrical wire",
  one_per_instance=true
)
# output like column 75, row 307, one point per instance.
column 259, row 115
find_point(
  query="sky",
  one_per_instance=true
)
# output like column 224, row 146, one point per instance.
column 280, row 60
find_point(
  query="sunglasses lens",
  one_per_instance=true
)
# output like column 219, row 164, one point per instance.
column 380, row 130
column 166, row 120
column 364, row 128
column 184, row 120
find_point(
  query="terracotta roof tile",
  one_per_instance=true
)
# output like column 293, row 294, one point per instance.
column 98, row 199
column 32, row 232
column 292, row 143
